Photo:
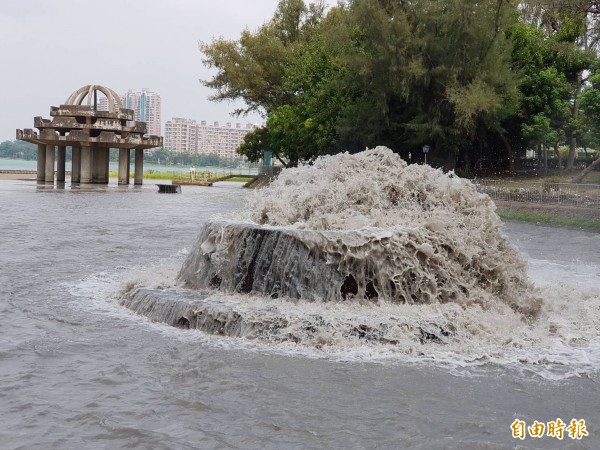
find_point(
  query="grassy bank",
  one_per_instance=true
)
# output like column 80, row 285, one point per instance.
column 241, row 179
column 547, row 219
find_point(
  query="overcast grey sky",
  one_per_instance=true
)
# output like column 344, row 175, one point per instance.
column 48, row 49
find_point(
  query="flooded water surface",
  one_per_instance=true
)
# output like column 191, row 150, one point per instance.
column 78, row 369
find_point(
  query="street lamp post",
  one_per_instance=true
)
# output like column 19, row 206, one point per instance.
column 425, row 151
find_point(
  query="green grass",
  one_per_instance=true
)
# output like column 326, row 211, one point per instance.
column 160, row 175
column 240, row 179
column 545, row 219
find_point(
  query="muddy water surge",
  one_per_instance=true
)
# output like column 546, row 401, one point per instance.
column 354, row 253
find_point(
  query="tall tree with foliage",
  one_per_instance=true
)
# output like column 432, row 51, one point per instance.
column 572, row 27
column 590, row 105
column 475, row 80
column 267, row 69
column 432, row 72
column 544, row 114
column 252, row 68
column 306, row 127
column 372, row 72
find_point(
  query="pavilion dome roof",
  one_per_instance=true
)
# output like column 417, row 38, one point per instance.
column 90, row 91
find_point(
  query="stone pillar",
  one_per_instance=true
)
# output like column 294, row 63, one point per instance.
column 139, row 166
column 75, row 164
column 100, row 171
column 86, row 164
column 49, row 179
column 61, row 156
column 107, row 165
column 93, row 163
column 124, row 156
column 41, row 163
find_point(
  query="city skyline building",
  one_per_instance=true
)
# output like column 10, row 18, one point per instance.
column 146, row 106
column 181, row 135
column 187, row 135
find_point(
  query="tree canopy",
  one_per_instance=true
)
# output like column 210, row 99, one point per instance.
column 477, row 81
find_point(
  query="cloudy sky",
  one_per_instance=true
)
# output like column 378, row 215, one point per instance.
column 48, row 49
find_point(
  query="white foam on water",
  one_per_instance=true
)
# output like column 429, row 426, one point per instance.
column 98, row 292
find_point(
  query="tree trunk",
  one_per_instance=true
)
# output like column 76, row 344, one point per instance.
column 560, row 161
column 572, row 150
column 545, row 147
column 575, row 111
column 579, row 178
column 509, row 152
column 285, row 164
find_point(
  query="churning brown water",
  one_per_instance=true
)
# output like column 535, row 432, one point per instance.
column 78, row 370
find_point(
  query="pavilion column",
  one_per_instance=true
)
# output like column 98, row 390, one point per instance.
column 49, row 179
column 124, row 156
column 41, row 163
column 107, row 165
column 61, row 156
column 76, row 164
column 93, row 163
column 86, row 164
column 100, row 164
column 139, row 166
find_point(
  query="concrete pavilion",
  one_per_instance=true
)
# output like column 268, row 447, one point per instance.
column 90, row 133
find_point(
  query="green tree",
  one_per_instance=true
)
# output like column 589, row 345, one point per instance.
column 545, row 107
column 254, row 144
column 372, row 72
column 306, row 127
column 467, row 77
column 432, row 72
column 252, row 68
column 590, row 105
column 572, row 30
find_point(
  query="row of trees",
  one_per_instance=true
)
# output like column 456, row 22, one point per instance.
column 18, row 149
column 162, row 156
column 478, row 81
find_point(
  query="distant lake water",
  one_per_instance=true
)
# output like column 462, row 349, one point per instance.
column 22, row 164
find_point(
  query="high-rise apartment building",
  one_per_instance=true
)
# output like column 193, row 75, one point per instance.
column 181, row 135
column 103, row 103
column 186, row 135
column 146, row 107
